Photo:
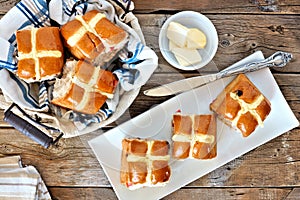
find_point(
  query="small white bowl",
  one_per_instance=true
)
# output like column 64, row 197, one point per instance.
column 190, row 19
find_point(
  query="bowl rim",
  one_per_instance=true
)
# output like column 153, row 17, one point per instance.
column 174, row 63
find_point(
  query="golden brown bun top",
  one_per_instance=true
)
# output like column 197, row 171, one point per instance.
column 106, row 80
column 186, row 124
column 70, row 28
column 144, row 163
column 159, row 148
column 90, row 88
column 202, row 124
column 136, row 147
column 47, row 39
column 182, row 124
column 91, row 35
column 105, row 28
column 24, row 41
column 194, row 136
column 40, row 53
column 245, row 89
column 141, row 147
column 229, row 107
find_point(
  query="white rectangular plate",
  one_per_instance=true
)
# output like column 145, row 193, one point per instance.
column 156, row 124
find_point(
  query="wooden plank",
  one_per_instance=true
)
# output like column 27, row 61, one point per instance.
column 239, row 36
column 72, row 163
column 82, row 193
column 6, row 6
column 185, row 193
column 220, row 6
column 229, row 194
column 204, row 6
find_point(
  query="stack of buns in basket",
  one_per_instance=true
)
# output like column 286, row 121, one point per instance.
column 92, row 40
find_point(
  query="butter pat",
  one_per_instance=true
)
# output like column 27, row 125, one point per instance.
column 177, row 33
column 186, row 57
column 184, row 43
column 196, row 39
column 172, row 45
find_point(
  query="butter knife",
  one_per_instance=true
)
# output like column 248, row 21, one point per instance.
column 278, row 59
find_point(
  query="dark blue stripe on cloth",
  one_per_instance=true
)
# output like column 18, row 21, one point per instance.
column 44, row 105
column 12, row 39
column 10, row 55
column 107, row 112
column 85, row 6
column 42, row 6
column 66, row 9
column 43, row 16
column 30, row 16
column 6, row 65
column 42, row 90
column 26, row 95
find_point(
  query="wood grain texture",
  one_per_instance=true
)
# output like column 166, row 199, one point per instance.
column 82, row 193
column 72, row 163
column 217, row 6
column 239, row 36
column 230, row 194
column 6, row 5
column 204, row 6
column 186, row 193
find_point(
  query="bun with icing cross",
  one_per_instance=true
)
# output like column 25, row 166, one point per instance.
column 93, row 37
column 84, row 87
column 194, row 136
column 40, row 53
column 241, row 105
column 144, row 163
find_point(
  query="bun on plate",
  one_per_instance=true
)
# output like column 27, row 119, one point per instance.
column 241, row 105
column 40, row 53
column 144, row 163
column 194, row 136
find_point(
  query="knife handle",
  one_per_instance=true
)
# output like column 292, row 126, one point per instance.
column 278, row 59
column 28, row 129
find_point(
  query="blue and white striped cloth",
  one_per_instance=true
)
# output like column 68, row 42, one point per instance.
column 134, row 73
column 18, row 182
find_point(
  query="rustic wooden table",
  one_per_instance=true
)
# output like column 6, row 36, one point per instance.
column 271, row 171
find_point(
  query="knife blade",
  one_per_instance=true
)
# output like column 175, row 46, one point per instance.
column 278, row 59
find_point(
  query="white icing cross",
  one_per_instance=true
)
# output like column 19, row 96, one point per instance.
column 148, row 159
column 193, row 138
column 86, row 27
column 88, row 87
column 247, row 107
